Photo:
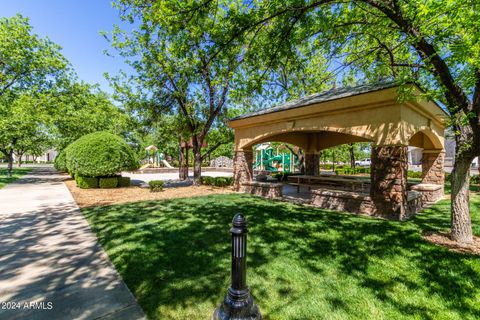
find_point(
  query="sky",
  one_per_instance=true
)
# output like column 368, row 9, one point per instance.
column 75, row 26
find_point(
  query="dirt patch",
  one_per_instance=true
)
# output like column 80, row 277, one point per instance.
column 101, row 197
column 443, row 239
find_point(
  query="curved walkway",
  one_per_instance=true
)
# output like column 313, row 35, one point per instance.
column 51, row 264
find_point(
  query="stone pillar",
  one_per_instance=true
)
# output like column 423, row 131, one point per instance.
column 242, row 168
column 389, row 181
column 312, row 164
column 432, row 167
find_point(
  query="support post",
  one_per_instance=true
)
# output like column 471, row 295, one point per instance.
column 242, row 168
column 238, row 303
column 312, row 164
column 432, row 167
column 389, row 181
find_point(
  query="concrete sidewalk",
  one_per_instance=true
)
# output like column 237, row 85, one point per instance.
column 51, row 265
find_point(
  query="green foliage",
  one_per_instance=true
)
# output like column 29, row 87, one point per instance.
column 80, row 109
column 108, row 182
column 100, row 154
column 27, row 61
column 414, row 174
column 475, row 179
column 86, row 182
column 217, row 181
column 123, row 181
column 220, row 182
column 156, row 185
column 207, row 180
column 61, row 161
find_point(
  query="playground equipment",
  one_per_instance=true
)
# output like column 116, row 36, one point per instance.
column 156, row 158
column 267, row 159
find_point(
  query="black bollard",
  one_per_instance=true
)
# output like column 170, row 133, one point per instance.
column 238, row 303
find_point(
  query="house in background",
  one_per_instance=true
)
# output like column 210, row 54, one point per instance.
column 450, row 147
column 48, row 156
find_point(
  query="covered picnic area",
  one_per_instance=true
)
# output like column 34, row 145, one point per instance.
column 377, row 114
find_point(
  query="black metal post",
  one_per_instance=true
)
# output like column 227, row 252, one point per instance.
column 238, row 303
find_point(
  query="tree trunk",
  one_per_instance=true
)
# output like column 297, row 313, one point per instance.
column 181, row 163
column 352, row 156
column 333, row 160
column 10, row 163
column 460, row 206
column 197, row 165
column 19, row 160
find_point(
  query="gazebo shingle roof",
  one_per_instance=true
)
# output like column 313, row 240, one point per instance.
column 324, row 96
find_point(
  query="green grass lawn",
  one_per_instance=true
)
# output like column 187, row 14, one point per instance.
column 17, row 173
column 304, row 263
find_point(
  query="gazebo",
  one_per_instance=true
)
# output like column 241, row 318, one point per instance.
column 366, row 113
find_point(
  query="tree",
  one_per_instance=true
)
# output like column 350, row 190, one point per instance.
column 29, row 65
column 433, row 43
column 22, row 125
column 170, row 58
column 79, row 108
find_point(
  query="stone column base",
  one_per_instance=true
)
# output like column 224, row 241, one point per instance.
column 432, row 167
column 242, row 168
column 389, row 181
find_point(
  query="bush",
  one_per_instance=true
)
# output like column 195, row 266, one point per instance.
column 108, row 182
column 220, row 182
column 208, row 181
column 123, row 181
column 229, row 181
column 61, row 161
column 414, row 174
column 100, row 154
column 156, row 185
column 86, row 182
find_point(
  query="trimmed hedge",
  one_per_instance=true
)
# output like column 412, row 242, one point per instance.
column 217, row 181
column 123, row 181
column 100, row 154
column 60, row 162
column 86, row 182
column 156, row 185
column 108, row 182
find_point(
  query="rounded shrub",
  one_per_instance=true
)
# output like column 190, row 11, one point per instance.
column 60, row 162
column 156, row 185
column 108, row 182
column 100, row 154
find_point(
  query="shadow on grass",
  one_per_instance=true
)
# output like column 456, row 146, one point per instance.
column 16, row 173
column 303, row 262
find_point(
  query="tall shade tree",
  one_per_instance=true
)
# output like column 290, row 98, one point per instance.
column 170, row 58
column 23, row 125
column 179, row 70
column 29, row 65
column 434, row 43
column 26, row 60
column 79, row 108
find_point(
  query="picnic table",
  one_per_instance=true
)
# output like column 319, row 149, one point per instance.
column 325, row 179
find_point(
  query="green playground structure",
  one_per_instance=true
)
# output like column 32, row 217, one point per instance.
column 267, row 159
column 156, row 158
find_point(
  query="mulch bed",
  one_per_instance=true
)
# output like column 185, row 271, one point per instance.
column 101, row 197
column 443, row 239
